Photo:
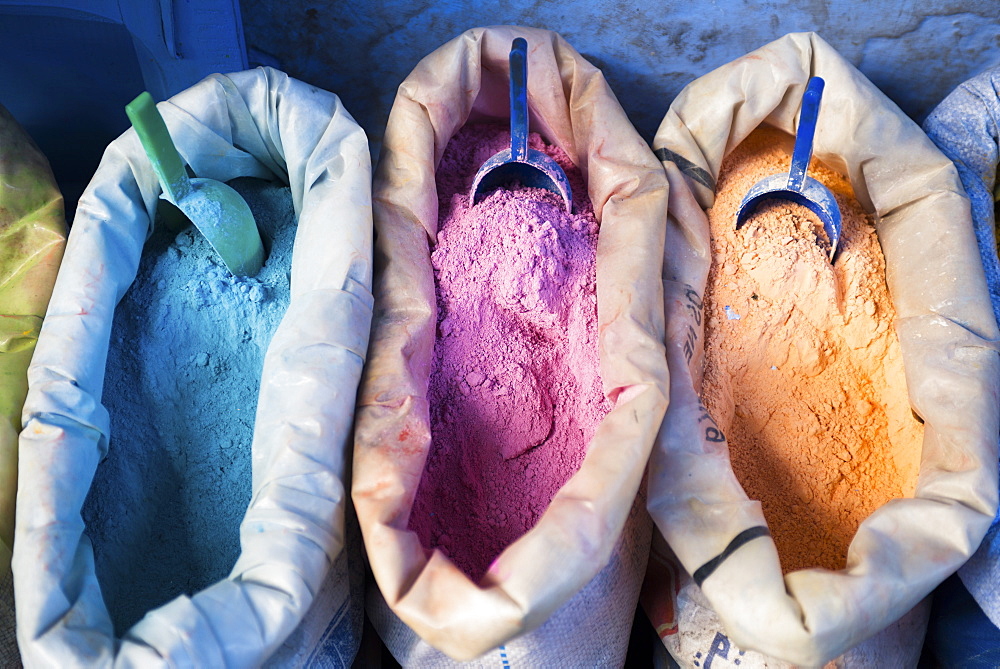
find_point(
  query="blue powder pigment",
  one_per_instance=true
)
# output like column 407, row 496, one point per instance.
column 181, row 385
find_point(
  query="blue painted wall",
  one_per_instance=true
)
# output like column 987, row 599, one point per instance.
column 916, row 51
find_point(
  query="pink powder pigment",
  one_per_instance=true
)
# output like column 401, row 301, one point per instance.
column 515, row 392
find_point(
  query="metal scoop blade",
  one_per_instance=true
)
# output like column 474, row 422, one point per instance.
column 794, row 185
column 519, row 163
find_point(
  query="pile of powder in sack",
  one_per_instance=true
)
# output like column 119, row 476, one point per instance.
column 515, row 392
column 183, row 374
column 803, row 370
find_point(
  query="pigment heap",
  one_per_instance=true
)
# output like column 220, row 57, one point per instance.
column 803, row 370
column 183, row 374
column 515, row 392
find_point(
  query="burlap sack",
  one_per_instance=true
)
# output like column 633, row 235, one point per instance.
column 32, row 237
column 947, row 334
column 572, row 106
column 259, row 123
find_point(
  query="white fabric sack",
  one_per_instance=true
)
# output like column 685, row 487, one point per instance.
column 581, row 531
column 258, row 123
column 695, row 637
column 592, row 629
column 966, row 127
column 947, row 336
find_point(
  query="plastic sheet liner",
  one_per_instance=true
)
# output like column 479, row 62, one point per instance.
column 263, row 124
column 966, row 127
column 947, row 334
column 572, row 107
column 32, row 237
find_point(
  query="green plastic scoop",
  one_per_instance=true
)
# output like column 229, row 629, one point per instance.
column 214, row 208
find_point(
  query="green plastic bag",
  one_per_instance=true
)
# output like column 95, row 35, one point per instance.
column 32, row 237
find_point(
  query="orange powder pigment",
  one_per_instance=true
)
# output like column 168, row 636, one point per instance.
column 803, row 370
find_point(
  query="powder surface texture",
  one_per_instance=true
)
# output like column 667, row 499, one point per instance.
column 803, row 370
column 515, row 393
column 181, row 384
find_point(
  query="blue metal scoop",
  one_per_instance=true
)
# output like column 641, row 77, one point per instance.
column 795, row 185
column 519, row 163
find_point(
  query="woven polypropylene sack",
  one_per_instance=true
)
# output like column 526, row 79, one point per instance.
column 947, row 335
column 581, row 530
column 259, row 123
column 966, row 127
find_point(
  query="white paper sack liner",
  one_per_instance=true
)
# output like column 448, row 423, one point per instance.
column 947, row 335
column 966, row 127
column 294, row 527
column 572, row 106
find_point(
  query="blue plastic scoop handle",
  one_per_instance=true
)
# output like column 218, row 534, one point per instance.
column 519, row 99
column 519, row 163
column 804, row 137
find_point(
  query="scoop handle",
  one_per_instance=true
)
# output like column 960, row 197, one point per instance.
column 804, row 136
column 159, row 147
column 519, row 99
